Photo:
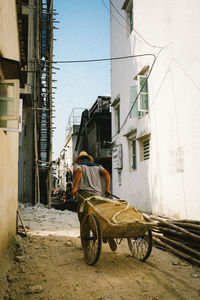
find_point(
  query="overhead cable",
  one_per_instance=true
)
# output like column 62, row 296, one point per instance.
column 98, row 59
column 111, row 3
column 155, row 58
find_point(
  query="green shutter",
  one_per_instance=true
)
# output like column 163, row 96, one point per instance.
column 118, row 119
column 143, row 98
column 144, row 102
column 134, row 155
column 146, row 150
column 133, row 95
column 131, row 20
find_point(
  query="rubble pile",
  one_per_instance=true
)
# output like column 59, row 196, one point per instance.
column 41, row 220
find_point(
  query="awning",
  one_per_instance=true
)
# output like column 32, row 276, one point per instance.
column 10, row 68
column 116, row 101
column 143, row 136
column 131, row 133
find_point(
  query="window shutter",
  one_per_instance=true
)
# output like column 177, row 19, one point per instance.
column 9, row 104
column 131, row 20
column 134, row 154
column 133, row 95
column 146, row 150
column 143, row 97
column 118, row 119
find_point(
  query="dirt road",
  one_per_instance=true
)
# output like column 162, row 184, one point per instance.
column 51, row 266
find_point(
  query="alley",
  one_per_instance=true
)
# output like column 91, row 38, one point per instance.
column 50, row 265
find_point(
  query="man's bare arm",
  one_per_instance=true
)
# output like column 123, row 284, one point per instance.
column 107, row 181
column 77, row 180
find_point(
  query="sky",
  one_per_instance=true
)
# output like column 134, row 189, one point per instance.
column 84, row 33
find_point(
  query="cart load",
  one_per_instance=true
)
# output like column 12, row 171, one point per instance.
column 106, row 219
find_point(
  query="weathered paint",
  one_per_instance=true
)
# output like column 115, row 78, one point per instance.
column 9, row 30
column 9, row 48
column 167, row 183
column 8, row 186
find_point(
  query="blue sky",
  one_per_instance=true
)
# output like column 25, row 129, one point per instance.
column 84, row 33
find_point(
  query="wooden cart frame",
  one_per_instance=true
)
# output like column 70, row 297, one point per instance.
column 105, row 220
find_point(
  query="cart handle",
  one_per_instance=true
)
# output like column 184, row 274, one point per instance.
column 114, row 196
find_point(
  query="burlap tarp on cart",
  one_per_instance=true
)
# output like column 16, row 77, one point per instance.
column 116, row 217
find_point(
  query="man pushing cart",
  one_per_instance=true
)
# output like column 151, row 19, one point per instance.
column 103, row 219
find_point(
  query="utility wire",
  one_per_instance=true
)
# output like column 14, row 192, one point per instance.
column 91, row 60
column 114, row 16
column 111, row 3
column 155, row 58
column 111, row 59
column 100, row 59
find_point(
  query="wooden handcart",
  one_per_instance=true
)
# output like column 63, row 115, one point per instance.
column 104, row 219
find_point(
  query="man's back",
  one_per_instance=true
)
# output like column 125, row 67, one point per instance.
column 90, row 180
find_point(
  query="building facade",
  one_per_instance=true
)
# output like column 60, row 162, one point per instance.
column 64, row 163
column 155, row 106
column 94, row 135
column 35, row 28
column 26, row 45
column 9, row 121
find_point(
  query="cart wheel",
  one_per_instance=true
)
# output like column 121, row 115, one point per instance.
column 141, row 246
column 91, row 238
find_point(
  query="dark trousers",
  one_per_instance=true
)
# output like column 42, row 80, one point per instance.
column 83, row 195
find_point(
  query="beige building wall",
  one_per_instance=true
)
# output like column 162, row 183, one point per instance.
column 8, row 186
column 9, row 44
column 9, row 48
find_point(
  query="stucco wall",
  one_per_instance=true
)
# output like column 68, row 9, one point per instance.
column 8, row 186
column 9, row 48
column 9, row 31
column 168, row 183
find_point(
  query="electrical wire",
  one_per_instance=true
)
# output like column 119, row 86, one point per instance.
column 100, row 59
column 111, row 3
column 112, row 59
column 174, row 60
column 179, row 141
column 114, row 16
column 90, row 60
column 133, row 28
column 150, row 71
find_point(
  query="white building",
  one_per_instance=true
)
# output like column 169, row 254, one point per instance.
column 70, row 144
column 156, row 165
column 67, row 155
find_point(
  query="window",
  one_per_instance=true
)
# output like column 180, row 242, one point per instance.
column 143, row 97
column 131, row 20
column 117, row 114
column 145, row 149
column 134, row 161
column 132, row 148
column 128, row 7
column 133, row 95
column 119, row 177
column 10, row 105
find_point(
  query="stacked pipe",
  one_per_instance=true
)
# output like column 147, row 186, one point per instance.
column 181, row 237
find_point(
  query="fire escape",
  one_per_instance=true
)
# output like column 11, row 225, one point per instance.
column 43, row 96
